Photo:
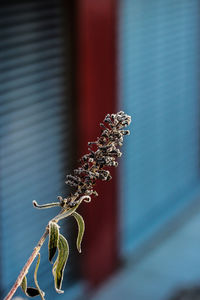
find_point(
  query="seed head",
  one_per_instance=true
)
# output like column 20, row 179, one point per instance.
column 102, row 153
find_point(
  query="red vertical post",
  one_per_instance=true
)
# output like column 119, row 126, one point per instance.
column 96, row 50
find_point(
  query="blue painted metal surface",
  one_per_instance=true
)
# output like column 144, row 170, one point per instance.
column 159, row 86
column 34, row 134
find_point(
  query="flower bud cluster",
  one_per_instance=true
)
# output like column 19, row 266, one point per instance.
column 102, row 154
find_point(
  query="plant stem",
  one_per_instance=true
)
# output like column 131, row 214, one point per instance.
column 29, row 262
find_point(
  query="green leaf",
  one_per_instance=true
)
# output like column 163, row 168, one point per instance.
column 66, row 213
column 24, row 284
column 53, row 239
column 35, row 278
column 29, row 291
column 59, row 265
column 81, row 229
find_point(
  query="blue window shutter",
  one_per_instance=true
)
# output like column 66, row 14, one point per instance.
column 159, row 86
column 35, row 131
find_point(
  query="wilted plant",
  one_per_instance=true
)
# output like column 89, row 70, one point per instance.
column 102, row 153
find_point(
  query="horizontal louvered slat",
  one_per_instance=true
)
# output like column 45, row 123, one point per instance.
column 32, row 92
column 31, row 111
column 34, row 22
column 48, row 93
column 30, row 77
column 27, row 17
column 8, row 78
column 26, row 57
column 10, row 9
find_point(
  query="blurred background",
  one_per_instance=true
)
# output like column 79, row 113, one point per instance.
column 63, row 66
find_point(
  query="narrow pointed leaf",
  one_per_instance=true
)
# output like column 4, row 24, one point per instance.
column 29, row 291
column 53, row 239
column 66, row 213
column 35, row 278
column 69, row 211
column 81, row 229
column 59, row 265
column 24, row 284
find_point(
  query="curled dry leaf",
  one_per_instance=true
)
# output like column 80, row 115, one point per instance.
column 81, row 229
column 53, row 239
column 59, row 265
column 35, row 278
column 28, row 291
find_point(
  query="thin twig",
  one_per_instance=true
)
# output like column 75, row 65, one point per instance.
column 29, row 262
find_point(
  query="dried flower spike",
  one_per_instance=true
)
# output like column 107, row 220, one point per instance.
column 102, row 153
